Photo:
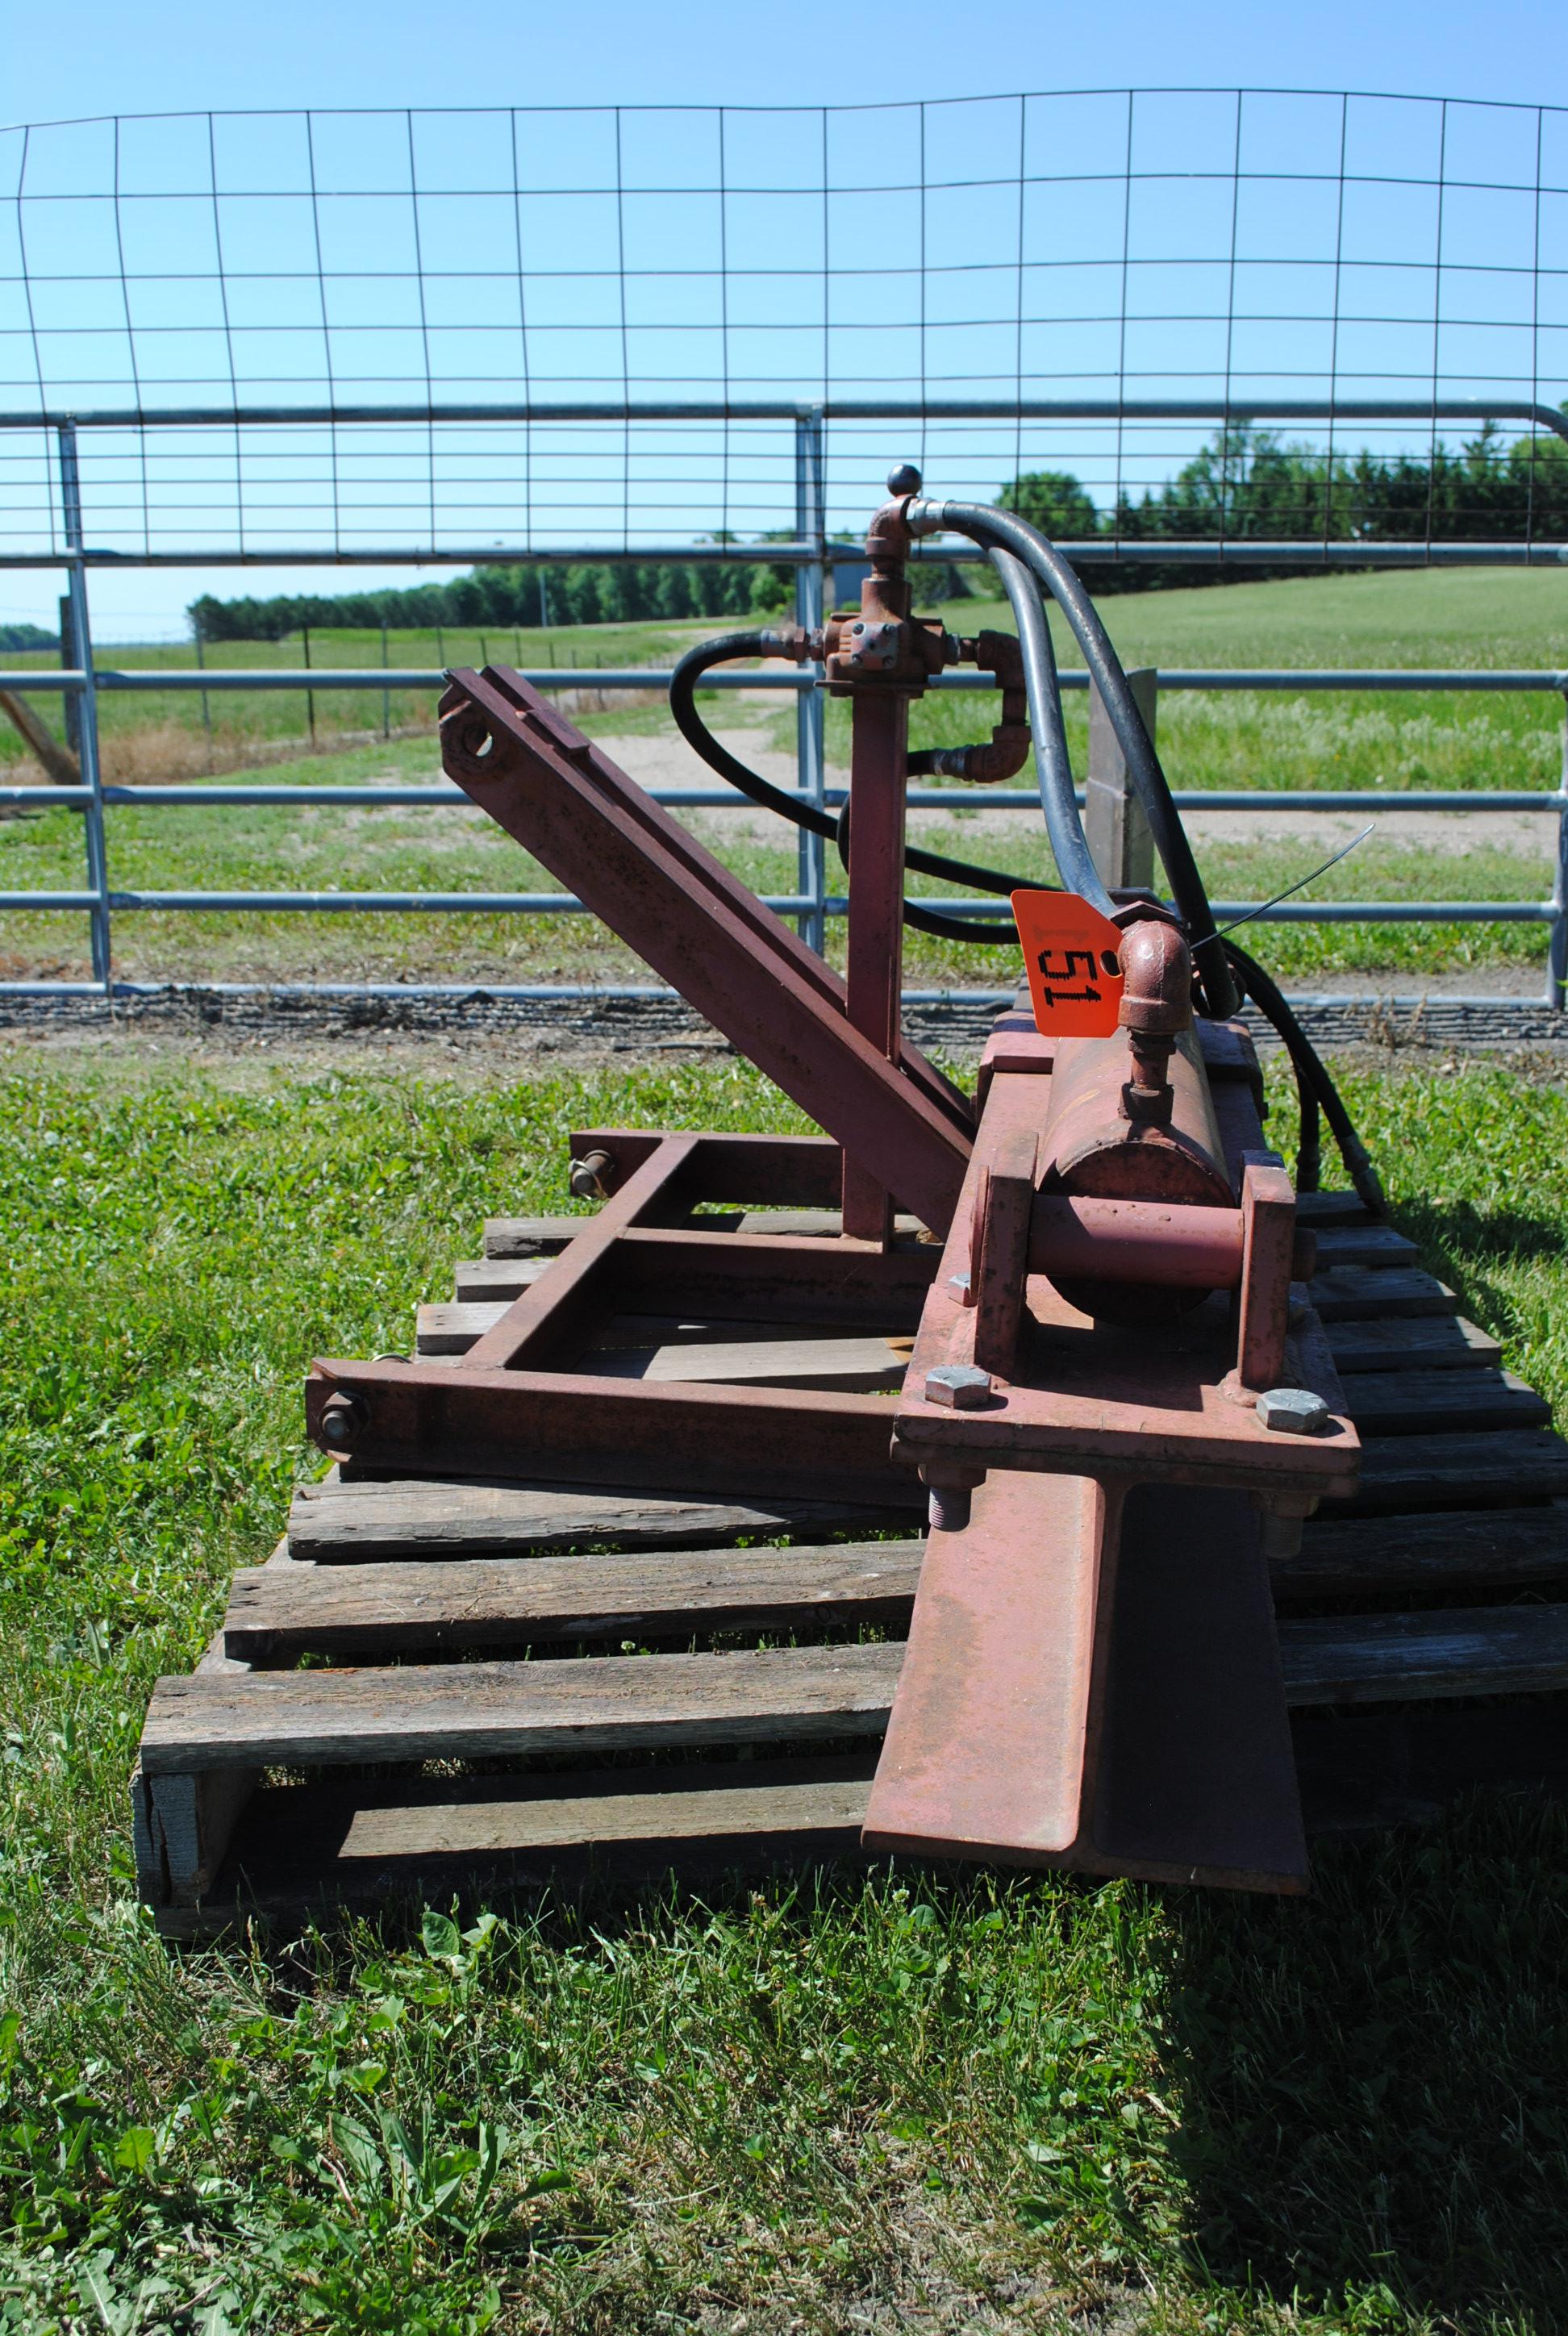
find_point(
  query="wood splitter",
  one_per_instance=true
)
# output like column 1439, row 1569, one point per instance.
column 1118, row 1403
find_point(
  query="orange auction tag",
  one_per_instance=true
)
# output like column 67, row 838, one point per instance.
column 1070, row 953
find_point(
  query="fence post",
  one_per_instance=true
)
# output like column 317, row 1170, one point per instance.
column 205, row 701
column 70, row 659
column 386, row 694
column 1557, row 948
column 811, row 764
column 87, row 716
column 1115, row 828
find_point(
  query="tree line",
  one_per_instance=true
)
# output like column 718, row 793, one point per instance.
column 533, row 593
column 1254, row 485
column 1246, row 484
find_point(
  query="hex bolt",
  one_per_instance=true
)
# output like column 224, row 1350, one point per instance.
column 958, row 1387
column 1293, row 1411
column 947, row 1507
column 344, row 1419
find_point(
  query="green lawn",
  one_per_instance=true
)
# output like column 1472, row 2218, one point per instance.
column 912, row 2100
column 1302, row 743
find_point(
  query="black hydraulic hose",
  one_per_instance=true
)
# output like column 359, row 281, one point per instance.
column 1312, row 1077
column 683, row 684
column 812, row 816
column 1058, row 797
column 996, row 529
column 1314, row 1086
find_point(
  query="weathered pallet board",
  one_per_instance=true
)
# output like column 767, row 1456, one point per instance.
column 605, row 1703
column 1366, row 1339
column 1456, row 1470
column 825, row 1224
column 180, row 1825
column 1320, row 1210
column 1426, row 1402
column 373, row 1611
column 464, row 1711
column 532, row 1236
column 1358, row 1244
column 480, row 1280
column 853, row 1364
column 301, row 1848
column 207, row 1737
column 1413, row 1658
column 1430, row 1555
column 430, row 1518
column 368, row 1613
column 1439, row 1343
column 520, row 1237
column 1459, row 1479
column 1362, row 1293
column 452, row 1330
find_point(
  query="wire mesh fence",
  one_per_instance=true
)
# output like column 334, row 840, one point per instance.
column 1255, row 328
column 1244, row 319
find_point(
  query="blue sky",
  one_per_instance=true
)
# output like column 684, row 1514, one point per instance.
column 1217, row 287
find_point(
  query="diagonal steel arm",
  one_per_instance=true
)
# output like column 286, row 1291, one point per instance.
column 695, row 923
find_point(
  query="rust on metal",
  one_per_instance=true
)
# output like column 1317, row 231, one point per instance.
column 1075, row 1241
column 874, row 966
column 1093, row 1682
column 1104, row 1366
column 564, row 800
column 1268, row 1269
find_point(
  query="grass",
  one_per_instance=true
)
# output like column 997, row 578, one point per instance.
column 171, row 735
column 968, row 2102
column 1474, row 743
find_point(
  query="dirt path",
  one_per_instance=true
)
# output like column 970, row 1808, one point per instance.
column 660, row 761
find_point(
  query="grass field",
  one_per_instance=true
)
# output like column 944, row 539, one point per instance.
column 171, row 737
column 956, row 2103
column 1365, row 742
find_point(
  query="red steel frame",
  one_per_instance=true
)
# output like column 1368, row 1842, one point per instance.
column 899, row 1120
column 523, row 1402
column 1091, row 1678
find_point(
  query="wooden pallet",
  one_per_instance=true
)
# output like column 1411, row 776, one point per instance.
column 434, row 1684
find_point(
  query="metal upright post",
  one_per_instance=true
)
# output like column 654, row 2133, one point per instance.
column 1557, row 948
column 811, row 771
column 71, row 662
column 875, row 970
column 1114, row 827
column 87, row 703
column 206, row 700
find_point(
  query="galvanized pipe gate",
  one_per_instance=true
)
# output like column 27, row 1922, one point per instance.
column 813, row 556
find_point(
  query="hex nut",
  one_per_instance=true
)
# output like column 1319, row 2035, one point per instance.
column 958, row 1387
column 1293, row 1411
